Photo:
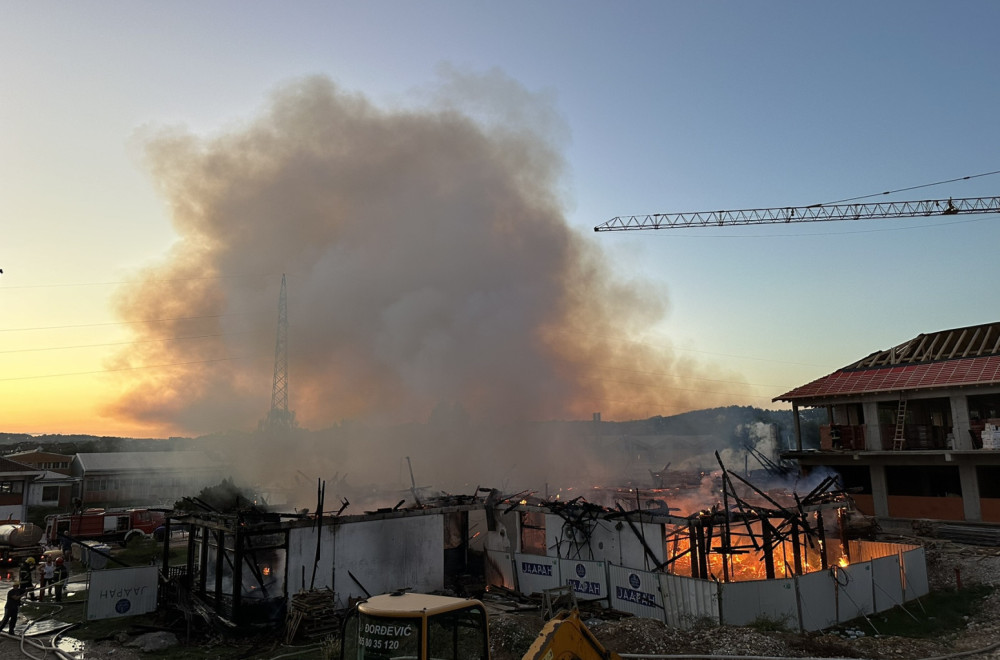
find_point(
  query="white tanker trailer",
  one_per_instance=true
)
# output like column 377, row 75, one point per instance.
column 18, row 541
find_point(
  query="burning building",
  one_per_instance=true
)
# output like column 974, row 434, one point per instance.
column 251, row 567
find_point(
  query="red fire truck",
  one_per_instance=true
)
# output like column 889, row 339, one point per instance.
column 101, row 525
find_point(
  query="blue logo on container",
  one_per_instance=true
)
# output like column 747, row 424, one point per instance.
column 634, row 581
column 530, row 568
column 581, row 570
column 123, row 606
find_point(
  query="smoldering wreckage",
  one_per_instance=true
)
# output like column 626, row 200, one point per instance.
column 801, row 559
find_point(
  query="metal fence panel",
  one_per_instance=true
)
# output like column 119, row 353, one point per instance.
column 687, row 601
column 742, row 603
column 535, row 573
column 589, row 579
column 636, row 592
column 817, row 593
column 887, row 584
column 854, row 591
column 119, row 592
column 915, row 582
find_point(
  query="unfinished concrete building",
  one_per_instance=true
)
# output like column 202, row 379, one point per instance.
column 912, row 429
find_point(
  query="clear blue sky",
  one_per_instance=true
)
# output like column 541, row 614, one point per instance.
column 660, row 106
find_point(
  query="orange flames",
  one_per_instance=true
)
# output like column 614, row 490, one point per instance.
column 747, row 563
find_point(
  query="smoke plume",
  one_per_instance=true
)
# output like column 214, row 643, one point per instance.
column 429, row 266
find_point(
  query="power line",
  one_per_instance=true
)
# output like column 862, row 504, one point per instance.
column 106, row 371
column 97, row 325
column 119, row 282
column 898, row 190
column 122, row 343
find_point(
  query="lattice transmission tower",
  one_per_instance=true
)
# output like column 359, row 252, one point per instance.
column 279, row 416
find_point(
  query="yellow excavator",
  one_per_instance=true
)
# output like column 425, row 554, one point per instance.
column 409, row 626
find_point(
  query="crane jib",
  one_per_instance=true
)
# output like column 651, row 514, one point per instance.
column 814, row 213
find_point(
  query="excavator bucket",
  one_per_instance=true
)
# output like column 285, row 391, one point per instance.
column 565, row 637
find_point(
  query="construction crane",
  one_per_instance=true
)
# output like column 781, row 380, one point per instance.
column 814, row 213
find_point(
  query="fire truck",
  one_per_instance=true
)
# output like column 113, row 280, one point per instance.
column 102, row 525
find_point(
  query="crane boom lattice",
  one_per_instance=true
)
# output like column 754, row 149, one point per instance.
column 814, row 213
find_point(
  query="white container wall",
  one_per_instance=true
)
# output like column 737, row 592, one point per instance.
column 605, row 540
column 302, row 543
column 390, row 554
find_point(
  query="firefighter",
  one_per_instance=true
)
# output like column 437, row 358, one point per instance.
column 10, row 608
column 61, row 575
column 26, row 577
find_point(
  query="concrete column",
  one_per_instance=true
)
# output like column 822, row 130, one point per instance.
column 873, row 430
column 960, row 423
column 880, row 491
column 798, row 426
column 970, row 492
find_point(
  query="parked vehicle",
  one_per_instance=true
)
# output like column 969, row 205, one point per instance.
column 101, row 525
column 425, row 626
column 18, row 541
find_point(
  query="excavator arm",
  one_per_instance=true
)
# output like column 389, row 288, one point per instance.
column 565, row 637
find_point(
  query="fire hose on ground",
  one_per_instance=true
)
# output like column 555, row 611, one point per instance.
column 653, row 656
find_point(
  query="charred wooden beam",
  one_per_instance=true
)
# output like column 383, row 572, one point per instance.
column 693, row 546
column 700, row 533
column 768, row 553
column 822, row 540
column 728, row 484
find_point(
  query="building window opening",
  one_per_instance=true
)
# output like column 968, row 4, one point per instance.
column 923, row 481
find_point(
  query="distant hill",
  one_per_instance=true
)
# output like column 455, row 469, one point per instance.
column 722, row 423
column 725, row 424
column 728, row 426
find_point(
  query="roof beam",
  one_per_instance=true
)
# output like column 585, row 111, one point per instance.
column 972, row 341
column 958, row 343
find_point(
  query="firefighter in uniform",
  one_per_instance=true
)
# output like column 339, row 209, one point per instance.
column 26, row 577
column 62, row 574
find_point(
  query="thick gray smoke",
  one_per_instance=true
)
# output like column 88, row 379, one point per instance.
column 428, row 263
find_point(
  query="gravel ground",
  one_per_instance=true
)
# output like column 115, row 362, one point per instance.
column 948, row 565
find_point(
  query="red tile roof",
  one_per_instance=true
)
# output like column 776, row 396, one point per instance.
column 928, row 375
